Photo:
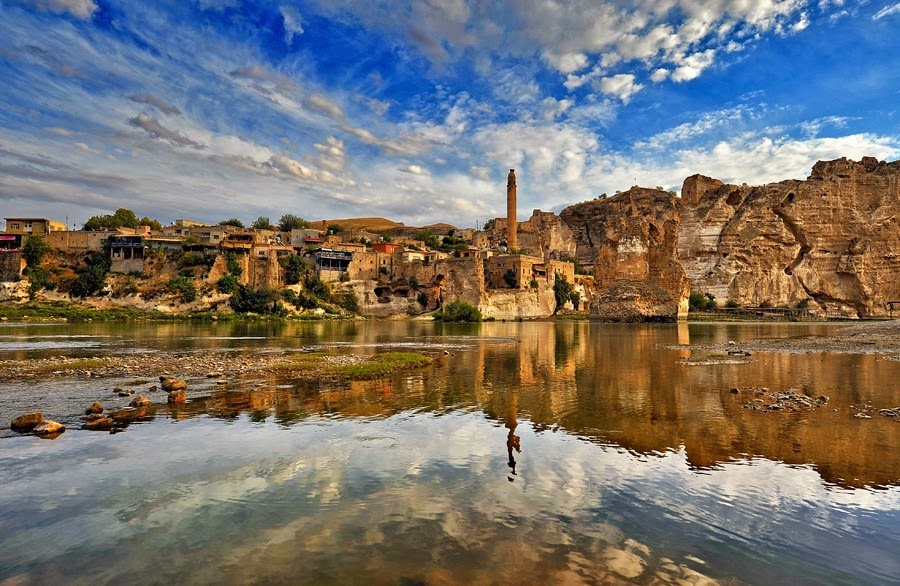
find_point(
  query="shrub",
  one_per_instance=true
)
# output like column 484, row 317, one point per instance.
column 185, row 286
column 232, row 264
column 34, row 250
column 510, row 277
column 732, row 304
column 294, row 268
column 232, row 222
column 90, row 277
column 701, row 301
column 459, row 311
column 348, row 301
column 227, row 284
column 345, row 276
column 264, row 301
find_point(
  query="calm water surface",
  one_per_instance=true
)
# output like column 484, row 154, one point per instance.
column 635, row 465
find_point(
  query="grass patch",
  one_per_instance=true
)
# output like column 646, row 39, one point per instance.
column 75, row 364
column 353, row 367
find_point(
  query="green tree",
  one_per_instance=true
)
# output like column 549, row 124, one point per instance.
column 510, row 277
column 185, row 286
column 91, row 276
column 263, row 302
column 227, row 284
column 262, row 223
column 335, row 228
column 294, row 268
column 289, row 222
column 563, row 291
column 233, row 266
column 429, row 238
column 122, row 218
column 34, row 250
column 232, row 222
column 153, row 224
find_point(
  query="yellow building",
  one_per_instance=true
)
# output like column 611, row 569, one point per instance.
column 38, row 226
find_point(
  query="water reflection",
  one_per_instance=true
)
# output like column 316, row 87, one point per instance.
column 623, row 462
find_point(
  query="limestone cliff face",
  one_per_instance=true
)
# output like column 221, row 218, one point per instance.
column 629, row 241
column 833, row 239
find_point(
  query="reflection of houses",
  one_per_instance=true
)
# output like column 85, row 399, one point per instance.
column 37, row 226
column 127, row 254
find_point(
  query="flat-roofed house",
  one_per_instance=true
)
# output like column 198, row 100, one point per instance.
column 36, row 226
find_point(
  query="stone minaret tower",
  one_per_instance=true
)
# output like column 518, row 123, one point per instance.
column 511, row 225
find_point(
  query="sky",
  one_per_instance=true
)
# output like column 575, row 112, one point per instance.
column 416, row 110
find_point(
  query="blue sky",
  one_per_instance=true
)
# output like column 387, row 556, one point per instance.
column 415, row 111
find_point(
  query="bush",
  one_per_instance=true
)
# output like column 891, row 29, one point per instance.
column 185, row 286
column 510, row 277
column 294, row 268
column 264, row 301
column 701, row 301
column 345, row 277
column 233, row 266
column 227, row 284
column 459, row 311
column 348, row 301
column 34, row 250
column 732, row 304
column 90, row 277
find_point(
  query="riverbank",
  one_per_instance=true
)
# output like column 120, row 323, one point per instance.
column 145, row 368
column 868, row 337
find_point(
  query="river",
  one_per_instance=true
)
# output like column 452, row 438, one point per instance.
column 529, row 453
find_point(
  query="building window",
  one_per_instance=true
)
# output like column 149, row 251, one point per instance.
column 14, row 226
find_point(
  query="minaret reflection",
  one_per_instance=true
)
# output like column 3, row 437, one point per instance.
column 513, row 442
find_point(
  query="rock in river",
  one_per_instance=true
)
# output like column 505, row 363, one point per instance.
column 26, row 422
column 95, row 407
column 101, row 424
column 48, row 427
column 140, row 401
column 170, row 385
column 177, row 397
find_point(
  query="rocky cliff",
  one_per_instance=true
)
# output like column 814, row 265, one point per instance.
column 831, row 241
column 630, row 242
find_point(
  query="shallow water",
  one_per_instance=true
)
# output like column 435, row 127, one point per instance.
column 636, row 465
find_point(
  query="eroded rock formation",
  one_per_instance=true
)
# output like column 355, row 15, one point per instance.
column 630, row 242
column 832, row 241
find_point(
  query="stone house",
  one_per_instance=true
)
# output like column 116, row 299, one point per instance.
column 36, row 226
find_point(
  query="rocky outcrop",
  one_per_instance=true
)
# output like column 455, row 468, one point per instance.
column 831, row 241
column 629, row 241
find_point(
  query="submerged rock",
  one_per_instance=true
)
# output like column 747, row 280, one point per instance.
column 26, row 422
column 99, row 424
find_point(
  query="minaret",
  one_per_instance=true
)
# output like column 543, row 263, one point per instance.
column 511, row 225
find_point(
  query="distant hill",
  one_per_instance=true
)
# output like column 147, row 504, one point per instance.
column 376, row 225
column 381, row 226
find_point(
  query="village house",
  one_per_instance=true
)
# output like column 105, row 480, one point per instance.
column 35, row 226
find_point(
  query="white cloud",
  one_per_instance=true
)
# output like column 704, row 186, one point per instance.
column 293, row 24
column 324, row 105
column 887, row 11
column 83, row 9
column 621, row 85
column 659, row 75
column 691, row 66
column 413, row 170
column 553, row 108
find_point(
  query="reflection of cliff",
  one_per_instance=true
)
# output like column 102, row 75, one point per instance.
column 614, row 384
